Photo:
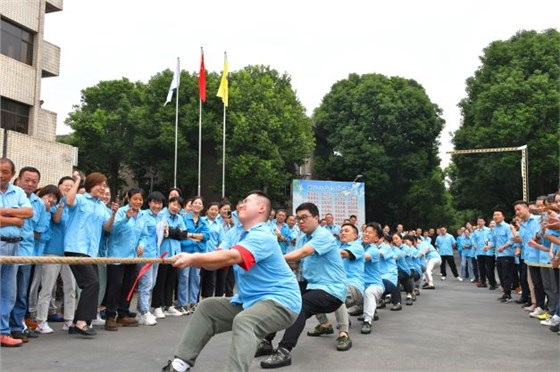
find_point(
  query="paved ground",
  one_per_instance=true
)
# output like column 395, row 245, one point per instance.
column 457, row 327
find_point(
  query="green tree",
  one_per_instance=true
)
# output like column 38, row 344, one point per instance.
column 513, row 99
column 103, row 125
column 385, row 128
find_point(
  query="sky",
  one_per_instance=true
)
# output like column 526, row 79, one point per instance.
column 437, row 43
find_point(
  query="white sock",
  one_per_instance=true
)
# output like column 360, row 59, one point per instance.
column 180, row 365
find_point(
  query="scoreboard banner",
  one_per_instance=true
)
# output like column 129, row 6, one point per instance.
column 342, row 199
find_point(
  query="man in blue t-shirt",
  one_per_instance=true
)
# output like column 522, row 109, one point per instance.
column 267, row 299
column 445, row 243
column 326, row 281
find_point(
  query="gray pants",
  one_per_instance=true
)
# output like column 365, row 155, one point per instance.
column 217, row 315
column 353, row 298
column 49, row 274
column 550, row 286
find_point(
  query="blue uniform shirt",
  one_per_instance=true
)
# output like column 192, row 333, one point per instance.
column 37, row 223
column 85, row 224
column 444, row 244
column 388, row 263
column 481, row 238
column 14, row 197
column 372, row 272
column 324, row 268
column 502, row 235
column 171, row 246
column 127, row 234
column 215, row 233
column 55, row 245
column 268, row 277
column 354, row 265
column 200, row 227
column 285, row 232
column 151, row 249
column 528, row 231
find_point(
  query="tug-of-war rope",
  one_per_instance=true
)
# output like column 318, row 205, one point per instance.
column 28, row 260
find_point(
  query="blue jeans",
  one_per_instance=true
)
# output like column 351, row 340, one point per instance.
column 189, row 285
column 467, row 267
column 20, row 306
column 8, row 277
column 145, row 286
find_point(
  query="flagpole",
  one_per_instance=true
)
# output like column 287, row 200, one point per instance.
column 199, row 142
column 224, row 157
column 176, row 124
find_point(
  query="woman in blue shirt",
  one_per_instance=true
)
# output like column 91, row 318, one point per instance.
column 225, row 280
column 215, row 237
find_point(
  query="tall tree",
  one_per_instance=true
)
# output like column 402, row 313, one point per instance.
column 513, row 99
column 385, row 128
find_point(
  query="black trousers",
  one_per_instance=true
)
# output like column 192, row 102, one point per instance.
column 120, row 279
column 224, row 282
column 162, row 294
column 406, row 281
column 314, row 301
column 524, row 282
column 506, row 269
column 475, row 268
column 490, row 269
column 538, row 285
column 87, row 279
column 392, row 289
column 451, row 261
column 207, row 283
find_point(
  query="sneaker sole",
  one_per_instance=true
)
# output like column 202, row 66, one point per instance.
column 283, row 364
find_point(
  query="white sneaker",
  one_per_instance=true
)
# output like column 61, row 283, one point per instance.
column 538, row 311
column 98, row 321
column 145, row 319
column 472, row 280
column 551, row 321
column 442, row 278
column 67, row 325
column 151, row 316
column 171, row 311
column 158, row 313
column 43, row 327
column 459, row 279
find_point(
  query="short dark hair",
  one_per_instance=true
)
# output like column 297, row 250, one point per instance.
column 501, row 211
column 176, row 189
column 65, row 178
column 29, row 169
column 223, row 203
column 352, row 226
column 156, row 196
column 177, row 199
column 12, row 165
column 353, row 216
column 307, row 206
column 263, row 194
column 520, row 202
column 50, row 189
column 412, row 238
column 133, row 191
column 376, row 227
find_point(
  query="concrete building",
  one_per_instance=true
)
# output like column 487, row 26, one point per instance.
column 28, row 132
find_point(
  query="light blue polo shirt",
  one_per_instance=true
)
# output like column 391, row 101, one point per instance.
column 127, row 234
column 444, row 244
column 171, row 246
column 216, row 233
column 354, row 268
column 324, row 268
column 85, row 225
column 468, row 251
column 411, row 257
column 151, row 249
column 58, row 230
column 481, row 238
column 270, row 277
column 527, row 231
column 14, row 197
column 191, row 246
column 372, row 273
column 285, row 232
column 388, row 263
column 502, row 235
column 432, row 253
column 30, row 225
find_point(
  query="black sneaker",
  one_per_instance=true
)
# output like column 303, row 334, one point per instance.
column 430, row 287
column 366, row 328
column 502, row 298
column 506, row 300
column 343, row 343
column 481, row 285
column 30, row 333
column 396, row 307
column 280, row 358
column 409, row 301
column 554, row 328
column 375, row 316
column 264, row 348
column 492, row 288
column 318, row 331
column 361, row 318
column 381, row 305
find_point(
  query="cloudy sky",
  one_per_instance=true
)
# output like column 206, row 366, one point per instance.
column 435, row 42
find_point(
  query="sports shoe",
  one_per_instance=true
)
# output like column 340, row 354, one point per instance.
column 459, row 278
column 145, row 319
column 482, row 285
column 158, row 313
column 408, row 301
column 182, row 310
column 491, row 288
column 502, row 298
column 343, row 343
column 417, row 291
column 9, row 341
column 472, row 280
column 506, row 300
column 538, row 311
column 555, row 328
column 67, row 325
column 18, row 335
column 264, row 348
column 552, row 321
column 191, row 309
column 318, row 331
column 425, row 285
column 151, row 316
column 43, row 327
column 172, row 311
column 98, row 321
column 544, row 316
column 366, row 328
column 443, row 277
column 430, row 286
column 396, row 307
column 280, row 358
column 169, row 367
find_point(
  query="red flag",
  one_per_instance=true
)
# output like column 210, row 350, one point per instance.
column 140, row 274
column 202, row 78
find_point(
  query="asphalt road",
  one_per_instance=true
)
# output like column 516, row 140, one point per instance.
column 456, row 327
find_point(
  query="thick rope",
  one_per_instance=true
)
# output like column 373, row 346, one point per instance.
column 27, row 260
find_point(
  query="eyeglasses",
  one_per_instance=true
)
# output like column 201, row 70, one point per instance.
column 303, row 217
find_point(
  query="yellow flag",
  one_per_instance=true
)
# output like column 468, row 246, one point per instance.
column 223, row 90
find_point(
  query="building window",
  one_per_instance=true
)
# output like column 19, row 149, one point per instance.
column 15, row 42
column 14, row 115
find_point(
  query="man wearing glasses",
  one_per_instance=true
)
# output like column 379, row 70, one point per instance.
column 324, row 272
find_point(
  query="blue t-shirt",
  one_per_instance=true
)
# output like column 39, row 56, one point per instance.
column 14, row 197
column 324, row 268
column 372, row 273
column 388, row 263
column 200, row 227
column 444, row 244
column 481, row 238
column 354, row 265
column 285, row 232
column 151, row 249
column 127, row 234
column 171, row 246
column 85, row 225
column 528, row 231
column 502, row 235
column 58, row 229
column 37, row 223
column 216, row 233
column 270, row 277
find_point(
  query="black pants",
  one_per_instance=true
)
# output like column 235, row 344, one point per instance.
column 406, row 281
column 392, row 289
column 490, row 265
column 87, row 280
column 526, row 291
column 475, row 268
column 207, row 283
column 120, row 279
column 314, row 301
column 506, row 268
column 451, row 261
column 165, row 284
column 538, row 284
